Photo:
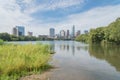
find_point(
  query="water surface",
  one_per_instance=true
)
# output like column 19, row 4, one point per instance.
column 79, row 61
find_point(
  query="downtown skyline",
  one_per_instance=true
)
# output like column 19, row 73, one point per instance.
column 40, row 15
column 20, row 31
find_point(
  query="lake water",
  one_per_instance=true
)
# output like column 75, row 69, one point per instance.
column 79, row 61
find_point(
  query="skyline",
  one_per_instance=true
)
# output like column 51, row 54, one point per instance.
column 20, row 30
column 39, row 15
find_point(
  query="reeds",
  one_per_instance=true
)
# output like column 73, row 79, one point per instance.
column 1, row 42
column 18, row 60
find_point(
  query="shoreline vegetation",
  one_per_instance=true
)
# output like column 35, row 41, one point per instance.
column 103, row 35
column 10, row 37
column 17, row 60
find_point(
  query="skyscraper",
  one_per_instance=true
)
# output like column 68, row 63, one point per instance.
column 19, row 31
column 86, row 31
column 78, row 33
column 68, row 34
column 73, row 32
column 15, row 31
column 52, row 32
column 62, row 33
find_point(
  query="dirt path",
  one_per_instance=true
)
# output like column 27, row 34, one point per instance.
column 43, row 76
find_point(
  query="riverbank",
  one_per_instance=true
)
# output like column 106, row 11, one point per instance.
column 21, row 60
column 43, row 76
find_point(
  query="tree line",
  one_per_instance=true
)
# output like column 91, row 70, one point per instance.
column 9, row 37
column 106, row 34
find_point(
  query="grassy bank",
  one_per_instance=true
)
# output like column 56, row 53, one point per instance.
column 21, row 60
column 1, row 42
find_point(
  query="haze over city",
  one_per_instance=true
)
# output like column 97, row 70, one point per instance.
column 39, row 16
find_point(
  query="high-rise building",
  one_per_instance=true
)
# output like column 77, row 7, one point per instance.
column 78, row 33
column 68, row 33
column 30, row 33
column 52, row 32
column 86, row 31
column 15, row 31
column 73, row 32
column 62, row 33
column 19, row 31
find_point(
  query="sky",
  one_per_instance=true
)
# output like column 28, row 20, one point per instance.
column 39, row 15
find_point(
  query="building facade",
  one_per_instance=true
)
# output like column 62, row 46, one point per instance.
column 15, row 31
column 68, row 33
column 19, row 31
column 62, row 33
column 78, row 33
column 30, row 33
column 86, row 31
column 52, row 33
column 73, row 32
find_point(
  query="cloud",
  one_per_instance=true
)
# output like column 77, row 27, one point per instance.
column 64, row 3
column 12, row 15
column 53, row 5
column 27, row 1
column 96, row 17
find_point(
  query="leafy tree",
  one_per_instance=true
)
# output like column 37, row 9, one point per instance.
column 82, row 38
column 5, row 36
column 97, row 35
column 110, row 33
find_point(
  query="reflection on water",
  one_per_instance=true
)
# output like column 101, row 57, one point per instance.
column 78, row 61
column 52, row 46
column 71, row 47
column 109, row 53
column 67, row 46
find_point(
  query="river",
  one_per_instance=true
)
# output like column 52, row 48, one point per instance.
column 78, row 61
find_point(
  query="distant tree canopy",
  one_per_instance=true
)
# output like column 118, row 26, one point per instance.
column 110, row 33
column 5, row 36
column 8, row 37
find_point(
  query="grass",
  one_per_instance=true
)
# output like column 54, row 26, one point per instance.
column 1, row 42
column 20, row 60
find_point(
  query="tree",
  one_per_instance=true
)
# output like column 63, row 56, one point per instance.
column 5, row 36
column 110, row 33
column 82, row 38
column 96, row 35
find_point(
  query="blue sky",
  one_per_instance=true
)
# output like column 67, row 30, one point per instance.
column 73, row 9
column 40, row 15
